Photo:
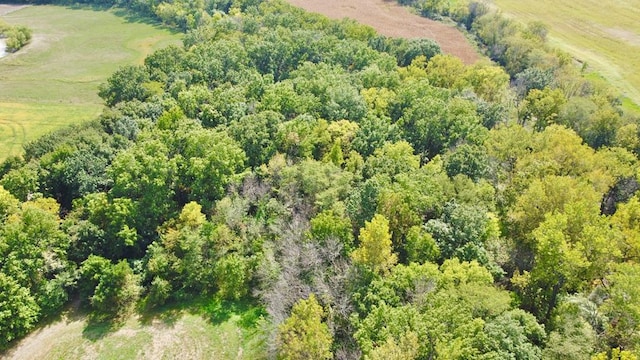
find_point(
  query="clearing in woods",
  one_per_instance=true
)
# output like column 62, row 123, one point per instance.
column 391, row 19
column 205, row 330
column 53, row 81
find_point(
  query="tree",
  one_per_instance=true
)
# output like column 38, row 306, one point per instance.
column 572, row 249
column 490, row 83
column 621, row 307
column 256, row 134
column 462, row 232
column 332, row 225
column 470, row 160
column 446, row 71
column 375, row 249
column 22, row 182
column 414, row 48
column 404, row 349
column 211, row 161
column 126, row 84
column 433, row 124
column 541, row 108
column 392, row 159
column 627, row 220
column 232, row 276
column 182, row 261
column 117, row 292
column 514, row 334
column 8, row 204
column 33, row 252
column 303, row 335
column 420, row 246
column 145, row 174
column 18, row 310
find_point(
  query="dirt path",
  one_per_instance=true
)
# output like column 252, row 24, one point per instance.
column 7, row 8
column 391, row 19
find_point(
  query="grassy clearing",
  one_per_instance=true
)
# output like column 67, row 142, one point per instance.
column 207, row 330
column 605, row 34
column 54, row 80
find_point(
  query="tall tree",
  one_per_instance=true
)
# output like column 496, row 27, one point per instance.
column 375, row 249
column 303, row 335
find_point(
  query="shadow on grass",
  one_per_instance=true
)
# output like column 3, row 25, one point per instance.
column 131, row 16
column 218, row 311
column 168, row 314
column 97, row 329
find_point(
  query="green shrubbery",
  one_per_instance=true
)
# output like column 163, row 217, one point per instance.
column 15, row 37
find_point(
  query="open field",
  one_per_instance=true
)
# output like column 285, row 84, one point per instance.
column 391, row 19
column 54, row 80
column 228, row 331
column 604, row 34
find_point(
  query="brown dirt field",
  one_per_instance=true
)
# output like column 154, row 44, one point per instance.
column 391, row 19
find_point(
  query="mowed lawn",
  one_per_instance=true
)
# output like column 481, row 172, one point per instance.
column 605, row 34
column 54, row 80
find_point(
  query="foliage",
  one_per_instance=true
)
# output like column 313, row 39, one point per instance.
column 18, row 310
column 117, row 291
column 374, row 251
column 16, row 37
column 283, row 158
column 304, row 335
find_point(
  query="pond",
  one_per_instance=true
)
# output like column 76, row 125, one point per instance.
column 3, row 48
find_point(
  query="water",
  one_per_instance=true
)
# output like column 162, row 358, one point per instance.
column 3, row 48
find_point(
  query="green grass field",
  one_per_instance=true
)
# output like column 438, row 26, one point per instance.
column 54, row 80
column 605, row 34
column 208, row 330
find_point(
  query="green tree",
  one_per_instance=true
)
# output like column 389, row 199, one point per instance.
column 126, row 84
column 627, row 220
column 18, row 311
column 33, row 252
column 541, row 108
column 572, row 249
column 514, row 334
column 420, row 246
column 434, row 123
column 392, row 159
column 332, row 225
column 117, row 292
column 621, row 307
column 375, row 248
column 210, row 161
column 232, row 276
column 446, row 71
column 183, row 259
column 145, row 174
column 8, row 204
column 303, row 335
column 256, row 134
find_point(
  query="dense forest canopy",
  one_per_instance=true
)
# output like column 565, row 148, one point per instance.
column 379, row 199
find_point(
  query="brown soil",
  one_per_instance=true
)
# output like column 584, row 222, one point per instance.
column 391, row 19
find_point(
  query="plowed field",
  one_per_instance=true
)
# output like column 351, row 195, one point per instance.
column 391, row 19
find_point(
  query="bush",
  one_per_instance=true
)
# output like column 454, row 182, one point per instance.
column 17, row 37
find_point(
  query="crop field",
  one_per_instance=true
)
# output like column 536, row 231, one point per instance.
column 604, row 34
column 54, row 80
column 391, row 19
